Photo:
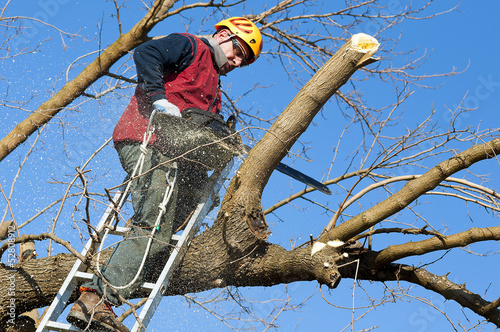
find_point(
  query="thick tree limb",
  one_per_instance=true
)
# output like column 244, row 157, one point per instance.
column 73, row 89
column 298, row 115
column 473, row 235
column 412, row 190
column 38, row 281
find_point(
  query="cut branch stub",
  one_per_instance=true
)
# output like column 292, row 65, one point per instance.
column 329, row 254
column 243, row 229
column 366, row 45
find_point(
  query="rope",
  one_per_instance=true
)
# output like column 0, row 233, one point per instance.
column 166, row 198
column 162, row 207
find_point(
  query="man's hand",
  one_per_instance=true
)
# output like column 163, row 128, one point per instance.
column 163, row 105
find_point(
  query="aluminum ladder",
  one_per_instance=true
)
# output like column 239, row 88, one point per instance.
column 50, row 322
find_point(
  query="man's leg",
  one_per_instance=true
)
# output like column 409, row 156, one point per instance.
column 147, row 193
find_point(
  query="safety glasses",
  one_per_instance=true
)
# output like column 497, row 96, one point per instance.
column 239, row 51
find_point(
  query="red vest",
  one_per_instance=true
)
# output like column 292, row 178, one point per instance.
column 195, row 86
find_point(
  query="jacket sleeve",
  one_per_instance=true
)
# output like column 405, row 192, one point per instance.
column 158, row 58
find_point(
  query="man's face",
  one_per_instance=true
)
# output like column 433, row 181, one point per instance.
column 235, row 49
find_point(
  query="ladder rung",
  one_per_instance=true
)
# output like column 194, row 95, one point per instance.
column 60, row 327
column 83, row 275
column 147, row 286
column 121, row 231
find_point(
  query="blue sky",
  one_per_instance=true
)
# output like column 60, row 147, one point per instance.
column 463, row 39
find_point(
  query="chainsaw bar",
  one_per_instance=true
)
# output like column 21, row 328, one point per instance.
column 298, row 175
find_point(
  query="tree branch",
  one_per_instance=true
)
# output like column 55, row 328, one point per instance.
column 412, row 190
column 73, row 89
column 396, row 252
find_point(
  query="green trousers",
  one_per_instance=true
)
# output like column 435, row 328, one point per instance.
column 147, row 193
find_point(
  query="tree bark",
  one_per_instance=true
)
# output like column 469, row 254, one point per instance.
column 37, row 281
column 205, row 266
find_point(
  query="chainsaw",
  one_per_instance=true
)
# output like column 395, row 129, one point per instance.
column 206, row 138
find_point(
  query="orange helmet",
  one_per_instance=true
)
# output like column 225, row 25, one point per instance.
column 247, row 31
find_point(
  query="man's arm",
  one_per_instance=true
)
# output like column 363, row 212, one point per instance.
column 158, row 58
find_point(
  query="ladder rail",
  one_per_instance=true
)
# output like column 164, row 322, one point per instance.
column 61, row 299
column 202, row 209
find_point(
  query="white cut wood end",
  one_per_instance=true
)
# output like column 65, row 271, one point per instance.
column 317, row 246
column 364, row 43
column 335, row 243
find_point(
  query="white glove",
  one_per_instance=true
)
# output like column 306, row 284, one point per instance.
column 163, row 105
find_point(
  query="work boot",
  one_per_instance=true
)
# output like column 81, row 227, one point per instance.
column 90, row 307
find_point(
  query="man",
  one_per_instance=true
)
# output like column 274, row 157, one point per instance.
column 174, row 73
